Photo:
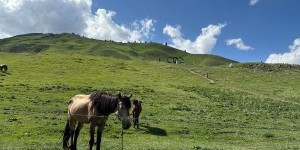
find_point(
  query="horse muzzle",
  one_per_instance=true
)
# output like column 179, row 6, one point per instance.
column 126, row 124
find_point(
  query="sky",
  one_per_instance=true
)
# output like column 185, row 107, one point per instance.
column 242, row 30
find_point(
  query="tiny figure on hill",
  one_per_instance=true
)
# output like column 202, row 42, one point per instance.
column 137, row 109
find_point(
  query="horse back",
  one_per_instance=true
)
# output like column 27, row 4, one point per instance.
column 137, row 109
column 79, row 108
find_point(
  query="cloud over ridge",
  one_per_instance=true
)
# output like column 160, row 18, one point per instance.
column 203, row 44
column 40, row 16
column 239, row 44
column 291, row 57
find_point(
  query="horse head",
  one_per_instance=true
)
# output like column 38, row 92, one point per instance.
column 135, row 102
column 123, row 108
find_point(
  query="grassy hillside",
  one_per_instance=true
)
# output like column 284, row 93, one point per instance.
column 242, row 109
column 36, row 43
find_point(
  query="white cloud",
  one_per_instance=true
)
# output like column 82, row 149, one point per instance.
column 291, row 57
column 253, row 2
column 173, row 32
column 35, row 16
column 203, row 44
column 102, row 26
column 238, row 43
column 145, row 27
column 27, row 16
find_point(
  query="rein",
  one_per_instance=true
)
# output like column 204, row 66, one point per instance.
column 88, row 115
column 103, row 116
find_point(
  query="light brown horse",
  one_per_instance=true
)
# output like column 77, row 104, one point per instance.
column 94, row 109
column 137, row 109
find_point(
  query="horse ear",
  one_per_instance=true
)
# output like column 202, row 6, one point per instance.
column 130, row 95
column 119, row 96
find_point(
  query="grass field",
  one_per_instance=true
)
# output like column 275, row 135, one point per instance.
column 243, row 109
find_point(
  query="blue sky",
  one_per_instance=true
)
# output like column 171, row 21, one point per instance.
column 269, row 26
column 242, row 30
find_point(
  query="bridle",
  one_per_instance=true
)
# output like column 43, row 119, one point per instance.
column 117, row 112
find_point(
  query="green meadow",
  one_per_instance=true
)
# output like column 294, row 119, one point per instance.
column 234, row 108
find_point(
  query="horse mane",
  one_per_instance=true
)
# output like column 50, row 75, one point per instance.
column 105, row 103
column 126, row 102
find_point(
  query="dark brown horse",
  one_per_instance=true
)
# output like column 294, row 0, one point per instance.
column 3, row 68
column 94, row 109
column 137, row 109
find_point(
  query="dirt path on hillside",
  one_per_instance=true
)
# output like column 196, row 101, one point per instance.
column 205, row 77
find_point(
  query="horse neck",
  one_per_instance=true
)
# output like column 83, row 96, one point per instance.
column 108, row 105
column 136, row 108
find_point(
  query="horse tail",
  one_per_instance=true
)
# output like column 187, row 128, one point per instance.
column 66, row 135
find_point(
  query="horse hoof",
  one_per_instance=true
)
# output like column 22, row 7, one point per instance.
column 72, row 148
column 66, row 147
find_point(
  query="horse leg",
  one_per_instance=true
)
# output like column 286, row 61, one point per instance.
column 79, row 126
column 134, row 119
column 137, row 122
column 72, row 128
column 92, row 132
column 134, row 123
column 99, row 135
column 66, row 136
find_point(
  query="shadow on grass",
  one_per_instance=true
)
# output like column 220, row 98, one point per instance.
column 154, row 130
column 4, row 73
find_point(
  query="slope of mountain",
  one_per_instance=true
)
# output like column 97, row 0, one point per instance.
column 37, row 42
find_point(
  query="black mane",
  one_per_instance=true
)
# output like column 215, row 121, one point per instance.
column 105, row 103
column 126, row 101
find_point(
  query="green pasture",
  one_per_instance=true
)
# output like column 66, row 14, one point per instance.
column 243, row 109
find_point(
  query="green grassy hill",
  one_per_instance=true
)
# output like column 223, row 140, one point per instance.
column 37, row 42
column 243, row 108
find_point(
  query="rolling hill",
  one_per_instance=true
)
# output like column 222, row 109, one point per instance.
column 37, row 43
